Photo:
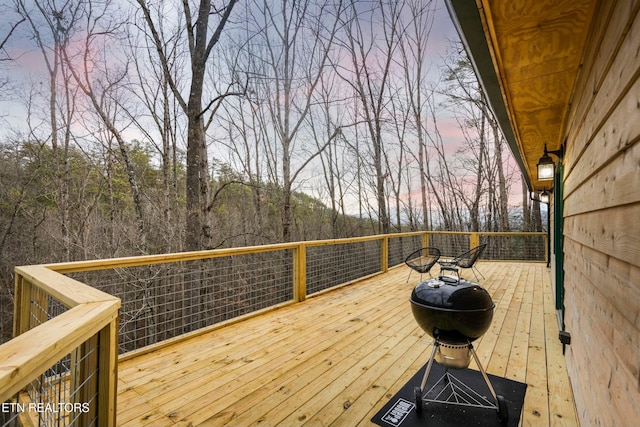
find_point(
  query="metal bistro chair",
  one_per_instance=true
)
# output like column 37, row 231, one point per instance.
column 465, row 260
column 422, row 260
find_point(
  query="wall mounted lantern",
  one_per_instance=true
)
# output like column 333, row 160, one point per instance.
column 546, row 165
column 544, row 197
column 541, row 197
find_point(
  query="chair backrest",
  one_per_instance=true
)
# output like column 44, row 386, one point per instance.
column 423, row 258
column 467, row 259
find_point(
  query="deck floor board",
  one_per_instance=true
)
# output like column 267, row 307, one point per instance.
column 336, row 358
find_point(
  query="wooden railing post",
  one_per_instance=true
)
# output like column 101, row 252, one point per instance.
column 425, row 240
column 300, row 273
column 547, row 245
column 22, row 305
column 384, row 254
column 474, row 240
column 30, row 307
column 108, row 374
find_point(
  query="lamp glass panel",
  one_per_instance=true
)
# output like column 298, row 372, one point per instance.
column 544, row 197
column 545, row 171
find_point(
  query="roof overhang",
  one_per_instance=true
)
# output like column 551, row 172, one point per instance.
column 527, row 55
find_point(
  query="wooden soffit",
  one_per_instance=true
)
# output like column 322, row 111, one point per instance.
column 527, row 54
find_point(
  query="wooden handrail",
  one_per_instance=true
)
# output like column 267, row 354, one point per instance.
column 104, row 264
column 68, row 291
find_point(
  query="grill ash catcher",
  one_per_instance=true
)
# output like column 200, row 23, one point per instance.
column 455, row 312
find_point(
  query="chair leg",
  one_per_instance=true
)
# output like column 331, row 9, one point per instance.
column 475, row 270
column 408, row 277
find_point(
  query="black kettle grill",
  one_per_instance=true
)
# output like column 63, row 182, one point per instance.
column 455, row 312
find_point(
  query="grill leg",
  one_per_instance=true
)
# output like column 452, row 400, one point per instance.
column 436, row 345
column 484, row 374
column 501, row 404
column 418, row 391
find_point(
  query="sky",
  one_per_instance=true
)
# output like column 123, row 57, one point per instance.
column 27, row 60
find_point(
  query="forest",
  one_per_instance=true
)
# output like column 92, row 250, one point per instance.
column 139, row 127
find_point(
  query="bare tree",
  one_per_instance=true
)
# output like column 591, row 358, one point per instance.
column 156, row 115
column 91, row 66
column 503, row 180
column 372, row 55
column 340, row 169
column 245, row 139
column 52, row 27
column 397, row 164
column 198, row 25
column 532, row 217
column 297, row 39
column 481, row 158
column 413, row 49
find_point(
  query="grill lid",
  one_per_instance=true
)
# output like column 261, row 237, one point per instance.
column 452, row 295
column 452, row 311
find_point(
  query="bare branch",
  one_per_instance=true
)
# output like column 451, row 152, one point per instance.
column 6, row 39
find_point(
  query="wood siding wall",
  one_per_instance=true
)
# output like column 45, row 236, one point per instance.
column 602, row 221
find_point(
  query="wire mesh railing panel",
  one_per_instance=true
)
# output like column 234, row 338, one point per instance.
column 163, row 301
column 514, row 248
column 401, row 247
column 43, row 307
column 332, row 265
column 67, row 393
column 450, row 245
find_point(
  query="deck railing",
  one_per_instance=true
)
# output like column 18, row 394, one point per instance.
column 60, row 369
column 66, row 343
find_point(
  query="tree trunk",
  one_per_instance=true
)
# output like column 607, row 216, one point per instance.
column 526, row 211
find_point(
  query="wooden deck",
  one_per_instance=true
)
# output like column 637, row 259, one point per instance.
column 335, row 359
